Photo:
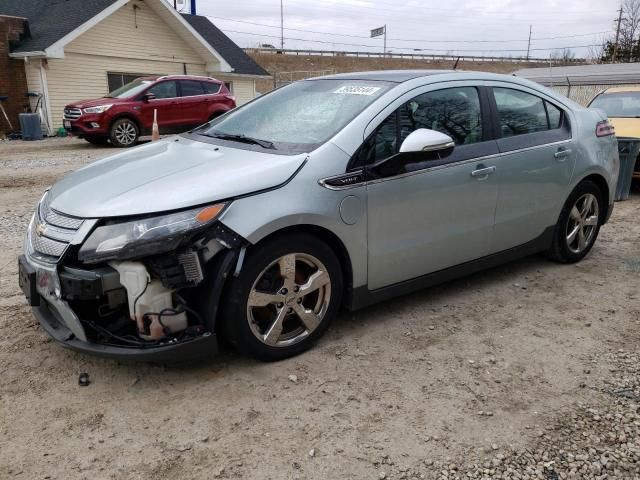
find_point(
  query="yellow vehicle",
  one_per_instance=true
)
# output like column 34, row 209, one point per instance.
column 622, row 106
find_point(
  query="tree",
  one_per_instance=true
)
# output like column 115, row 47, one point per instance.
column 629, row 39
column 597, row 52
column 563, row 56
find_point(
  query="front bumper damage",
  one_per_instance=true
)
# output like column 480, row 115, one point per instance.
column 194, row 349
column 50, row 290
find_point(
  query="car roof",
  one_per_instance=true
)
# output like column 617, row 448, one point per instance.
column 153, row 78
column 397, row 76
column 621, row 90
column 400, row 76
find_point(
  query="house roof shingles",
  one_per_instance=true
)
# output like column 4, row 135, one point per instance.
column 51, row 20
column 232, row 53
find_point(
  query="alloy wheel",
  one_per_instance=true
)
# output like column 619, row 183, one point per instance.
column 126, row 133
column 583, row 223
column 289, row 300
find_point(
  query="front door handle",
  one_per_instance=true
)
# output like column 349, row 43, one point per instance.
column 562, row 154
column 483, row 172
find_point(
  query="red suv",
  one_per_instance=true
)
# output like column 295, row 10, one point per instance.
column 182, row 102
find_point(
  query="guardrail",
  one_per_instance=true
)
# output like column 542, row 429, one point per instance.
column 414, row 56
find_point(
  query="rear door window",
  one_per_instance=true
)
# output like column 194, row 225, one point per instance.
column 191, row 88
column 555, row 116
column 526, row 120
column 211, row 88
column 520, row 112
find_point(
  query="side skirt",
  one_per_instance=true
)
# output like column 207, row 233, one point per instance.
column 363, row 297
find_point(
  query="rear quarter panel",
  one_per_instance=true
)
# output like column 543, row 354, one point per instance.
column 595, row 155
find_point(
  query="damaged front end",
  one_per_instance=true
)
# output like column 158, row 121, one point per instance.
column 144, row 288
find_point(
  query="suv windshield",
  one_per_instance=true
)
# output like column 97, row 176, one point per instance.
column 618, row 105
column 299, row 117
column 130, row 89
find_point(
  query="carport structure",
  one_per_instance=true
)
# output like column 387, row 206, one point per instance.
column 583, row 82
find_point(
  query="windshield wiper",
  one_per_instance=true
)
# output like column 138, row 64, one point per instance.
column 238, row 137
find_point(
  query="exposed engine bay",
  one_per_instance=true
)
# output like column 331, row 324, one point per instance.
column 150, row 301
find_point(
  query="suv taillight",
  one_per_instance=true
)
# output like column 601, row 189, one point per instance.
column 604, row 129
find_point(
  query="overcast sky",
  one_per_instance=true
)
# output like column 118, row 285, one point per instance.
column 471, row 27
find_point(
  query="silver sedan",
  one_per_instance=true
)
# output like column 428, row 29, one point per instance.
column 336, row 192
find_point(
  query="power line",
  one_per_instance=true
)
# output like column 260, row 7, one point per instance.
column 406, row 48
column 528, row 12
column 404, row 39
column 359, row 9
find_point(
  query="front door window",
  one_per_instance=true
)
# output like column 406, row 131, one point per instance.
column 453, row 111
column 164, row 90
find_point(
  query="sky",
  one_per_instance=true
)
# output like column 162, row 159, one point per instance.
column 463, row 27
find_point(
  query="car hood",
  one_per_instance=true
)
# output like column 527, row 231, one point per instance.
column 626, row 127
column 167, row 175
column 96, row 102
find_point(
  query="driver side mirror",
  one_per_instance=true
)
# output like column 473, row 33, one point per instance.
column 422, row 145
column 425, row 140
column 148, row 96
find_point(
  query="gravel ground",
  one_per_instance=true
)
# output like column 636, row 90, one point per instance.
column 529, row 370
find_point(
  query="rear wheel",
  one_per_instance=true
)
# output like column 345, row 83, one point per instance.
column 284, row 299
column 124, row 133
column 579, row 224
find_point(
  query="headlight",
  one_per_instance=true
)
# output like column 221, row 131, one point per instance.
column 146, row 236
column 99, row 109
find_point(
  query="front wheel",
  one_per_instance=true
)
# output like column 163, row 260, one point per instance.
column 579, row 224
column 284, row 299
column 124, row 133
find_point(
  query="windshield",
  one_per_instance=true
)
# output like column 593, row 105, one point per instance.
column 618, row 105
column 301, row 116
column 130, row 89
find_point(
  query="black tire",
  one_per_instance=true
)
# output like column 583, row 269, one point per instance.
column 97, row 140
column 124, row 133
column 237, row 326
column 561, row 250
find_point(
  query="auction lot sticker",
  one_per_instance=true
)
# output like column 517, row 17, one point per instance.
column 357, row 90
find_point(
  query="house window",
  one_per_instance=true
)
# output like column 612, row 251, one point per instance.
column 229, row 86
column 117, row 80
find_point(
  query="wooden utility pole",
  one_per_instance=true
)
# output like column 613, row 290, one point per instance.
column 615, row 47
column 281, row 26
column 529, row 44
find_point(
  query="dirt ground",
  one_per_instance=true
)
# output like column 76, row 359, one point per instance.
column 430, row 385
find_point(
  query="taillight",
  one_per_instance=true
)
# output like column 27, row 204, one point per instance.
column 604, row 129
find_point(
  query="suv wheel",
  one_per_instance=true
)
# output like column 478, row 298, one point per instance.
column 284, row 299
column 578, row 225
column 124, row 133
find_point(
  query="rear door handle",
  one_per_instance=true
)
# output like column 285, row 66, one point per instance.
column 562, row 154
column 483, row 172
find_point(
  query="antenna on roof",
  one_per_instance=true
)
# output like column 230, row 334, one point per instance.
column 455, row 66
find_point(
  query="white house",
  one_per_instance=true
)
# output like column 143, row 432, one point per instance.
column 77, row 49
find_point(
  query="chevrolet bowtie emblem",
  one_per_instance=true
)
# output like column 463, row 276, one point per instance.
column 41, row 229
